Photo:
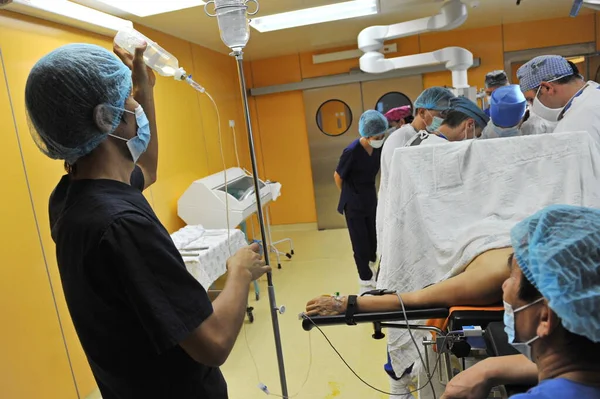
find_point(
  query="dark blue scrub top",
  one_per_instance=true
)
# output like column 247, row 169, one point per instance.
column 358, row 170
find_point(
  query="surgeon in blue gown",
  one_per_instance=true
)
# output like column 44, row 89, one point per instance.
column 355, row 177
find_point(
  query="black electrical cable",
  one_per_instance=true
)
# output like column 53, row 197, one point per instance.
column 437, row 362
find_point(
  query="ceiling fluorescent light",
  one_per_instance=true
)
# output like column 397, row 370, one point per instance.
column 315, row 15
column 144, row 8
column 67, row 13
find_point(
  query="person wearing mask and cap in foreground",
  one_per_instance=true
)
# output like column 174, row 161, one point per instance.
column 146, row 325
column 507, row 109
column 558, row 93
column 464, row 121
column 355, row 177
column 396, row 116
column 493, row 81
column 551, row 301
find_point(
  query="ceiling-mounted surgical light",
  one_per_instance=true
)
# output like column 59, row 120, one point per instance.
column 68, row 13
column 315, row 15
column 144, row 8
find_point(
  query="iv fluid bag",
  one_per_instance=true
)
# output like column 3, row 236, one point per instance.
column 233, row 23
column 157, row 58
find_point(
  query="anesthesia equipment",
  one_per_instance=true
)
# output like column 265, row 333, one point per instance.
column 227, row 197
column 204, row 201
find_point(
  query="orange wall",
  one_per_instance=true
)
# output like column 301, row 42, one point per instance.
column 34, row 359
column 405, row 46
column 279, row 118
column 552, row 32
column 286, row 156
column 281, row 126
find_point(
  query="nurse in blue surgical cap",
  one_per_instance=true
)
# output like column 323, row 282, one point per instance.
column 507, row 109
column 355, row 177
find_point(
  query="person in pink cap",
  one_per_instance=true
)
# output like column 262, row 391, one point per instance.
column 396, row 116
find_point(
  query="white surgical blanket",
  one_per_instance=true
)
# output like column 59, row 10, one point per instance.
column 396, row 139
column 210, row 264
column 448, row 203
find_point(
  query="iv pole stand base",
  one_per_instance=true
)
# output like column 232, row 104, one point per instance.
column 239, row 56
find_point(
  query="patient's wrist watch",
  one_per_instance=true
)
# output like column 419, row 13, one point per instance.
column 351, row 309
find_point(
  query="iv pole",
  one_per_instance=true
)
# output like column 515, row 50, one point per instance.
column 222, row 8
column 239, row 56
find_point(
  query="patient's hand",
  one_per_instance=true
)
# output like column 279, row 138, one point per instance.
column 326, row 305
column 472, row 383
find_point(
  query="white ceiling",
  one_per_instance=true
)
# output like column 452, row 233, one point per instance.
column 195, row 26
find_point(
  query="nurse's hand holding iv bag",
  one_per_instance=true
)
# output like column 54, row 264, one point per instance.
column 143, row 77
column 156, row 57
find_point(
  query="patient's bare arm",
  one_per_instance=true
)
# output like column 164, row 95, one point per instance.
column 480, row 284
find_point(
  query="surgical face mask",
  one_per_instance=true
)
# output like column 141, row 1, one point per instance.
column 509, row 327
column 550, row 114
column 507, row 131
column 435, row 124
column 137, row 145
column 376, row 143
column 466, row 136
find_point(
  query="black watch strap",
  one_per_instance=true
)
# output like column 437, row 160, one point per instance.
column 351, row 310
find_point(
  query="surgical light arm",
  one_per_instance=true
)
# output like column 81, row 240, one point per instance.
column 455, row 59
column 452, row 15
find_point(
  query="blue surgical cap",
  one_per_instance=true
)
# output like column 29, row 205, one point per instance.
column 495, row 79
column 372, row 123
column 558, row 250
column 469, row 108
column 545, row 68
column 507, row 106
column 62, row 91
column 434, row 98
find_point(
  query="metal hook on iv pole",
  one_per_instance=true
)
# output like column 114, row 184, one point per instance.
column 235, row 6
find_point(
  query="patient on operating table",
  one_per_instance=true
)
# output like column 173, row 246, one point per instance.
column 479, row 285
column 452, row 208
